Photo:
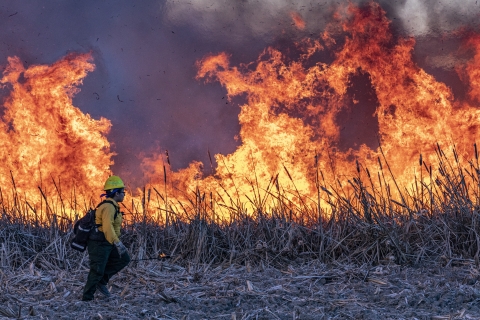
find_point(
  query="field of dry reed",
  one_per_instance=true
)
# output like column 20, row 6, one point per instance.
column 370, row 257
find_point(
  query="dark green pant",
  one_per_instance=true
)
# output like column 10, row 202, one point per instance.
column 104, row 263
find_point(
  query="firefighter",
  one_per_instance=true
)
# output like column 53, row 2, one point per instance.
column 107, row 253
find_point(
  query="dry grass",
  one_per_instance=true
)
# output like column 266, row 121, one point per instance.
column 162, row 290
column 264, row 256
column 437, row 222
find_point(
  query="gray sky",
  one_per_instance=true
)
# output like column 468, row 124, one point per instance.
column 145, row 54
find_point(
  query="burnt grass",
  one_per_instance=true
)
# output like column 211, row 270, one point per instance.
column 308, row 291
column 368, row 257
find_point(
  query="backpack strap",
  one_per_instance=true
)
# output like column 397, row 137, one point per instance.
column 117, row 210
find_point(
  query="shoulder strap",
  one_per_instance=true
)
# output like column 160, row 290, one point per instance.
column 117, row 210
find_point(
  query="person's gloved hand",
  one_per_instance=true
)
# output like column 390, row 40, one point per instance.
column 121, row 249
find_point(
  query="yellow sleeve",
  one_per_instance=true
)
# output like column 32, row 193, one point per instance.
column 107, row 212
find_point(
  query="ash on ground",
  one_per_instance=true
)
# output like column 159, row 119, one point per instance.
column 156, row 290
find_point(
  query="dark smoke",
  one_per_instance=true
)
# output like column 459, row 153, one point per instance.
column 145, row 53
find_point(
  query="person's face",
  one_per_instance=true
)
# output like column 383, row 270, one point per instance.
column 119, row 195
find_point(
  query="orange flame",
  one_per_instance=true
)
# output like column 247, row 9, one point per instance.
column 290, row 123
column 45, row 141
column 291, row 113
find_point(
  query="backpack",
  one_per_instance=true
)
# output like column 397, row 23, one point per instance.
column 84, row 226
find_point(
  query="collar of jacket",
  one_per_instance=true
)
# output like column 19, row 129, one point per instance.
column 114, row 202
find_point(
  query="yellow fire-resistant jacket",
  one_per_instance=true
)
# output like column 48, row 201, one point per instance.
column 104, row 217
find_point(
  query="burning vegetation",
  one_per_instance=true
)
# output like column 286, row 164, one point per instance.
column 48, row 145
column 291, row 167
column 291, row 130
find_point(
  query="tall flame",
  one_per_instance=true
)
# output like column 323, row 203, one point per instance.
column 291, row 123
column 292, row 111
column 45, row 141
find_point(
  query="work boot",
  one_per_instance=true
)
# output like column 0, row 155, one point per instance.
column 103, row 290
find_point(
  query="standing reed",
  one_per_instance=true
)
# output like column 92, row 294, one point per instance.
column 436, row 221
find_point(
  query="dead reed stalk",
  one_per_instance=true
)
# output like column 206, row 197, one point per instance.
column 436, row 222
